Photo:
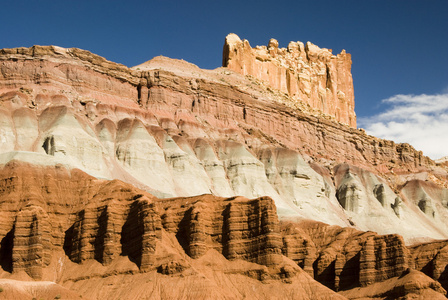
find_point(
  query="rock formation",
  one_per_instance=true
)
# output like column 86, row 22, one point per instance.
column 341, row 258
column 168, row 176
column 238, row 228
column 108, row 222
column 432, row 259
column 110, row 228
column 307, row 73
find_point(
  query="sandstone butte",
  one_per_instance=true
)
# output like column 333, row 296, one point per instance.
column 167, row 181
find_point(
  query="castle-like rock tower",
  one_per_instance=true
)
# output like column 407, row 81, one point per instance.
column 307, row 73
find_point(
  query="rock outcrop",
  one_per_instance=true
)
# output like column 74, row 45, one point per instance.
column 31, row 251
column 411, row 285
column 432, row 259
column 104, row 232
column 183, row 100
column 110, row 229
column 175, row 130
column 342, row 258
column 238, row 228
column 167, row 176
column 308, row 74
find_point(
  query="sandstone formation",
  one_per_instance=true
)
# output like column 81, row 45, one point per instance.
column 307, row 73
column 442, row 161
column 109, row 232
column 109, row 228
column 342, row 258
column 175, row 130
column 238, row 228
column 432, row 259
column 195, row 183
column 411, row 285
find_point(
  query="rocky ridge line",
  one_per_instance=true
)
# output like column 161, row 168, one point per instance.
column 307, row 73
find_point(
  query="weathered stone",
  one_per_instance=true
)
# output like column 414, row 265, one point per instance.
column 32, row 241
column 173, row 129
column 238, row 228
column 310, row 75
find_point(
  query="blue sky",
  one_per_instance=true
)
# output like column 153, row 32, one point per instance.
column 398, row 47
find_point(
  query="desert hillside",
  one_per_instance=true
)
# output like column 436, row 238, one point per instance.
column 250, row 181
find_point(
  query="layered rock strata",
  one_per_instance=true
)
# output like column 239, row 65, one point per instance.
column 432, row 259
column 183, row 100
column 31, row 251
column 307, row 73
column 342, row 258
column 175, row 130
column 238, row 228
column 124, row 230
column 110, row 228
column 172, row 129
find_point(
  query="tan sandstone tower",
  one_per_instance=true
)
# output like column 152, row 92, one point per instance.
column 306, row 73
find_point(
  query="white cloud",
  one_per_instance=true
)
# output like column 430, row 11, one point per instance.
column 420, row 120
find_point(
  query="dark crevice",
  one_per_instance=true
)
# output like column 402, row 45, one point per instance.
column 68, row 242
column 139, row 95
column 100, row 236
column 132, row 235
column 6, row 251
column 48, row 145
column 183, row 234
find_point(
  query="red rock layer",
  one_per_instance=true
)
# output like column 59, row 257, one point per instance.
column 98, row 223
column 31, row 251
column 238, row 228
column 46, row 208
column 130, row 227
column 432, row 259
column 342, row 258
column 193, row 107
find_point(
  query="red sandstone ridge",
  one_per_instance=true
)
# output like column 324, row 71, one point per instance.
column 307, row 73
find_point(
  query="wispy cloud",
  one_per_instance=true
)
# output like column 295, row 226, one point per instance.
column 420, row 120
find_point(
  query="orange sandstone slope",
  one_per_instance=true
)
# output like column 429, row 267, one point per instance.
column 70, row 235
column 87, row 145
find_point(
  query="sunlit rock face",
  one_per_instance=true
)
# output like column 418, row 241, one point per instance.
column 95, row 233
column 308, row 74
column 172, row 129
column 168, row 181
column 140, row 155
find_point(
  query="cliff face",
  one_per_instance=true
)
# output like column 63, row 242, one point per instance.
column 307, row 73
column 72, row 229
column 238, row 228
column 170, row 130
column 107, row 232
column 342, row 258
column 175, row 130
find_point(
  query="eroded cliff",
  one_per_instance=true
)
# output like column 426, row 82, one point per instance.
column 170, row 130
column 106, row 234
column 314, row 78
